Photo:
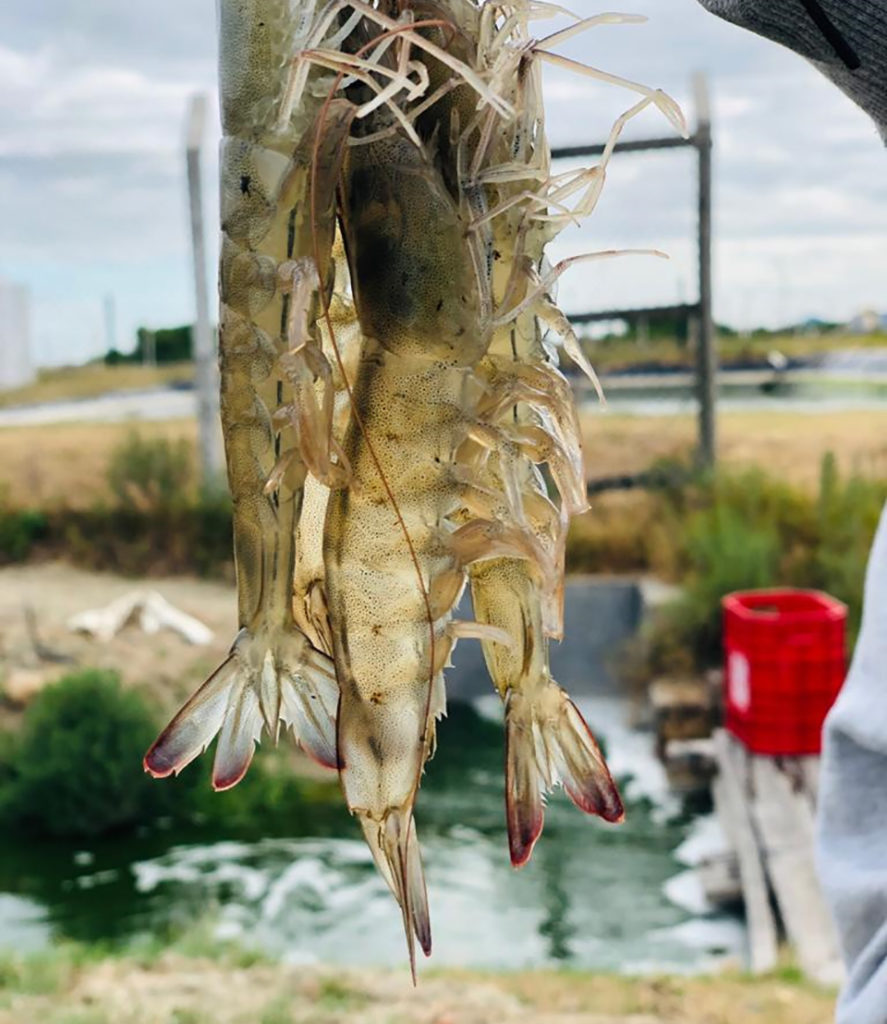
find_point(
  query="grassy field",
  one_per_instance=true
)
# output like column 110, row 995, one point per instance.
column 620, row 354
column 608, row 356
column 66, row 987
column 94, row 379
column 67, row 465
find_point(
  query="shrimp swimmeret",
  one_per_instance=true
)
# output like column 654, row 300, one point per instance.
column 388, row 396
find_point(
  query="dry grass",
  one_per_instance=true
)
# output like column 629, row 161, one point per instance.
column 94, row 379
column 177, row 990
column 789, row 445
column 50, row 467
column 47, row 466
column 625, row 530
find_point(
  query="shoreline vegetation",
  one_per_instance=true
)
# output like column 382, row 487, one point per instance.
column 198, row 980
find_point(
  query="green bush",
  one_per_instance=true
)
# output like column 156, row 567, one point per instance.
column 747, row 530
column 847, row 517
column 75, row 768
column 193, row 536
column 19, row 530
column 148, row 474
column 169, row 344
column 726, row 552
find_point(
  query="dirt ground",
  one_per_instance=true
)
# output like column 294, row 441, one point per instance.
column 164, row 664
column 176, row 990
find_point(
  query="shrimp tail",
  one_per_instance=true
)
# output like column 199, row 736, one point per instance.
column 547, row 742
column 395, row 850
column 255, row 688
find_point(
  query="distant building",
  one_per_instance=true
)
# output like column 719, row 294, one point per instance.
column 868, row 321
column 16, row 367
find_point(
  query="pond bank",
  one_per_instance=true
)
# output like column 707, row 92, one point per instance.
column 69, row 986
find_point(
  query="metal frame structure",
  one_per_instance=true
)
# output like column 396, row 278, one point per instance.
column 698, row 313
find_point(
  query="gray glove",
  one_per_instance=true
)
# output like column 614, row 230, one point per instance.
column 845, row 39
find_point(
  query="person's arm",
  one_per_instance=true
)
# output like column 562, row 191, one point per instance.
column 852, row 813
column 845, row 39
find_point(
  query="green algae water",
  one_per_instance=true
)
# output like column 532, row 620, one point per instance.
column 592, row 896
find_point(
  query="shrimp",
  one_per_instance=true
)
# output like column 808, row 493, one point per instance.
column 456, row 402
column 276, row 429
column 398, row 541
column 547, row 740
column 389, row 394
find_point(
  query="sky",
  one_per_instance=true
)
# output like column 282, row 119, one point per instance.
column 93, row 201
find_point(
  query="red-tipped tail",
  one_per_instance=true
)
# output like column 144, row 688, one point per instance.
column 195, row 726
column 547, row 742
column 254, row 688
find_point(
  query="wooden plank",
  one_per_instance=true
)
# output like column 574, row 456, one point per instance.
column 689, row 765
column 783, row 821
column 734, row 816
column 810, row 772
column 720, row 879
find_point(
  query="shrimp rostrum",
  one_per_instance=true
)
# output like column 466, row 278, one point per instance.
column 391, row 402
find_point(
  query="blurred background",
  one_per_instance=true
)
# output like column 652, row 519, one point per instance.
column 115, row 890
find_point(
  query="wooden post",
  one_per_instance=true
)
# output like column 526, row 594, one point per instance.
column 706, row 355
column 734, row 816
column 205, row 357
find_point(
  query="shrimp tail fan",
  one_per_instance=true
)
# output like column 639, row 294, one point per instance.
column 548, row 743
column 257, row 687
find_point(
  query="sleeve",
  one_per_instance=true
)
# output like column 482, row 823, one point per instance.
column 845, row 39
column 852, row 813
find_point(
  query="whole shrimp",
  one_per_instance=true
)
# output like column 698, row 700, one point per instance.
column 530, row 418
column 392, row 573
column 276, row 390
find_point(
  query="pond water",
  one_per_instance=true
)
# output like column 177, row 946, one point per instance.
column 592, row 896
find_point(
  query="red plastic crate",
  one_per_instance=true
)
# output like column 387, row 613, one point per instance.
column 784, row 663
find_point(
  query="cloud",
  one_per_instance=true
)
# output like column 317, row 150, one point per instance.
column 92, row 188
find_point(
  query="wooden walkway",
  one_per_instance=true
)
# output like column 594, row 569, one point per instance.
column 766, row 806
